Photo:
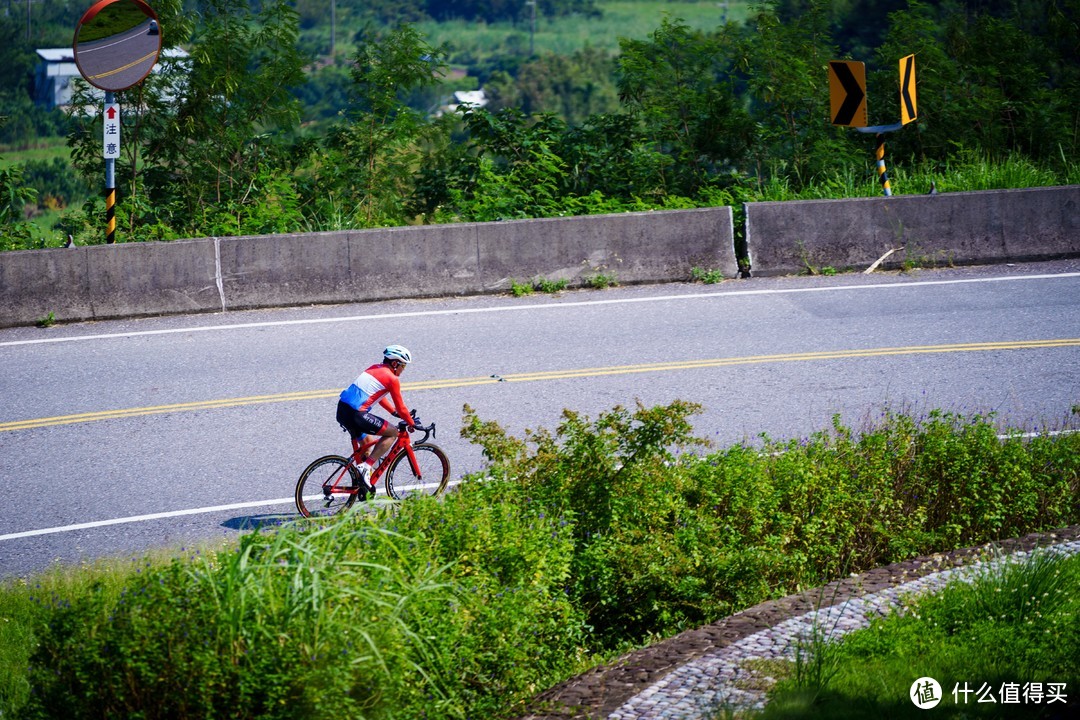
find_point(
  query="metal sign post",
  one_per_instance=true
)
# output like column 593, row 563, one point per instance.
column 111, row 146
column 879, row 152
column 117, row 43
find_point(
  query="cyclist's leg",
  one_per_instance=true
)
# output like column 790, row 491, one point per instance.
column 359, row 424
column 375, row 427
column 388, row 435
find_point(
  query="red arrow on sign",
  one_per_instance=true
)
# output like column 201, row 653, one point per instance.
column 111, row 112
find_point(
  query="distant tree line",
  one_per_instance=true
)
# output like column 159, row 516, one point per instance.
column 680, row 118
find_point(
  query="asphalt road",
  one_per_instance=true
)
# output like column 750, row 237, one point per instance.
column 117, row 437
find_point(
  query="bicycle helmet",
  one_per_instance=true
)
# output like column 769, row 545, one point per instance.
column 397, row 352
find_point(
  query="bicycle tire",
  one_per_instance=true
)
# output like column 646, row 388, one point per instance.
column 312, row 500
column 401, row 481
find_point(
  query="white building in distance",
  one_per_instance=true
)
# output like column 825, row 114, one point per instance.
column 56, row 67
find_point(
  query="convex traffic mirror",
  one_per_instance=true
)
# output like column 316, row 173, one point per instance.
column 117, row 43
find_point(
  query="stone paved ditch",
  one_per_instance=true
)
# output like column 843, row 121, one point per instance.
column 682, row 677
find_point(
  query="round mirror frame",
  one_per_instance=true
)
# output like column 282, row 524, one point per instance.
column 134, row 53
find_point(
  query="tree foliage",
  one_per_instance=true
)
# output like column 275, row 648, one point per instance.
column 214, row 144
column 680, row 85
column 208, row 140
column 373, row 156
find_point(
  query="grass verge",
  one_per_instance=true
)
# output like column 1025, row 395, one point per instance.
column 569, row 549
column 1003, row 644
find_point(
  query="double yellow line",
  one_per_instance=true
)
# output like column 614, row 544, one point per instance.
column 107, row 73
column 546, row 376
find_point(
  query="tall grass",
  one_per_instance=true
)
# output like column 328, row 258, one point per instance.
column 567, row 550
column 964, row 171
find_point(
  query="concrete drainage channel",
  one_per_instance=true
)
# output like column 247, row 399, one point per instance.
column 695, row 675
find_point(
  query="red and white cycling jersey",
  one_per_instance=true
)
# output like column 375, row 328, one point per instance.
column 372, row 386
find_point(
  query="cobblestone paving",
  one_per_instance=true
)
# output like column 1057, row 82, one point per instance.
column 682, row 676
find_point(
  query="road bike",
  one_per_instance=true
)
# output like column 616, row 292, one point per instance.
column 331, row 484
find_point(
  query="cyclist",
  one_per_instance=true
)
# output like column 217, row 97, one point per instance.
column 371, row 387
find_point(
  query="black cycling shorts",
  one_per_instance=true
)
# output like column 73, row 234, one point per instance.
column 358, row 423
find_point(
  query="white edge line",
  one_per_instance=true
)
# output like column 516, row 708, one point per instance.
column 544, row 306
column 141, row 518
column 161, row 516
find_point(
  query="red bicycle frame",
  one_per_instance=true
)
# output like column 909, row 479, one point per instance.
column 403, row 442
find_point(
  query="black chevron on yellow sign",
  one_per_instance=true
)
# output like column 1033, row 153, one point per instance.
column 847, row 92
column 907, row 90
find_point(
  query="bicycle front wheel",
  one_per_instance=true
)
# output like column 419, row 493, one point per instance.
column 429, row 477
column 327, row 487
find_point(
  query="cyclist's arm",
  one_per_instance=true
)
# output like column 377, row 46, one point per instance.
column 388, row 406
column 399, row 405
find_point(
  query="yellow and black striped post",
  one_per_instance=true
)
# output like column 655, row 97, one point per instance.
column 879, row 155
column 110, row 215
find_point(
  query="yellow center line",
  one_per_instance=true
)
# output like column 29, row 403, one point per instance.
column 545, row 375
column 107, row 73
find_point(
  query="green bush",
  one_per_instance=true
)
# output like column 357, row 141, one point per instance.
column 295, row 624
column 665, row 542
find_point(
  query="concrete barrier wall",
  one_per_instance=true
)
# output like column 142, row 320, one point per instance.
column 961, row 228
column 218, row 274
column 103, row 281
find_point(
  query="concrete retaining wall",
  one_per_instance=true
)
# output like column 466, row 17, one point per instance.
column 961, row 228
column 216, row 274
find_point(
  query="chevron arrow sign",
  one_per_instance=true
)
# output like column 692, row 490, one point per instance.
column 847, row 93
column 907, row 90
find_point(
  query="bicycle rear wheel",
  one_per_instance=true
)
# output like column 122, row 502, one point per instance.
column 403, row 481
column 327, row 487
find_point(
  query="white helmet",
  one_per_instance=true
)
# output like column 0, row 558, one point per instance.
column 397, row 352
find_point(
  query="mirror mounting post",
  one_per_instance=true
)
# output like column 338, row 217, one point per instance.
column 117, row 44
column 110, row 180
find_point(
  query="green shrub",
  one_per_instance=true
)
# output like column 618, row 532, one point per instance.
column 601, row 280
column 450, row 609
column 665, row 542
column 519, row 289
column 549, row 286
column 295, row 624
column 513, row 629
